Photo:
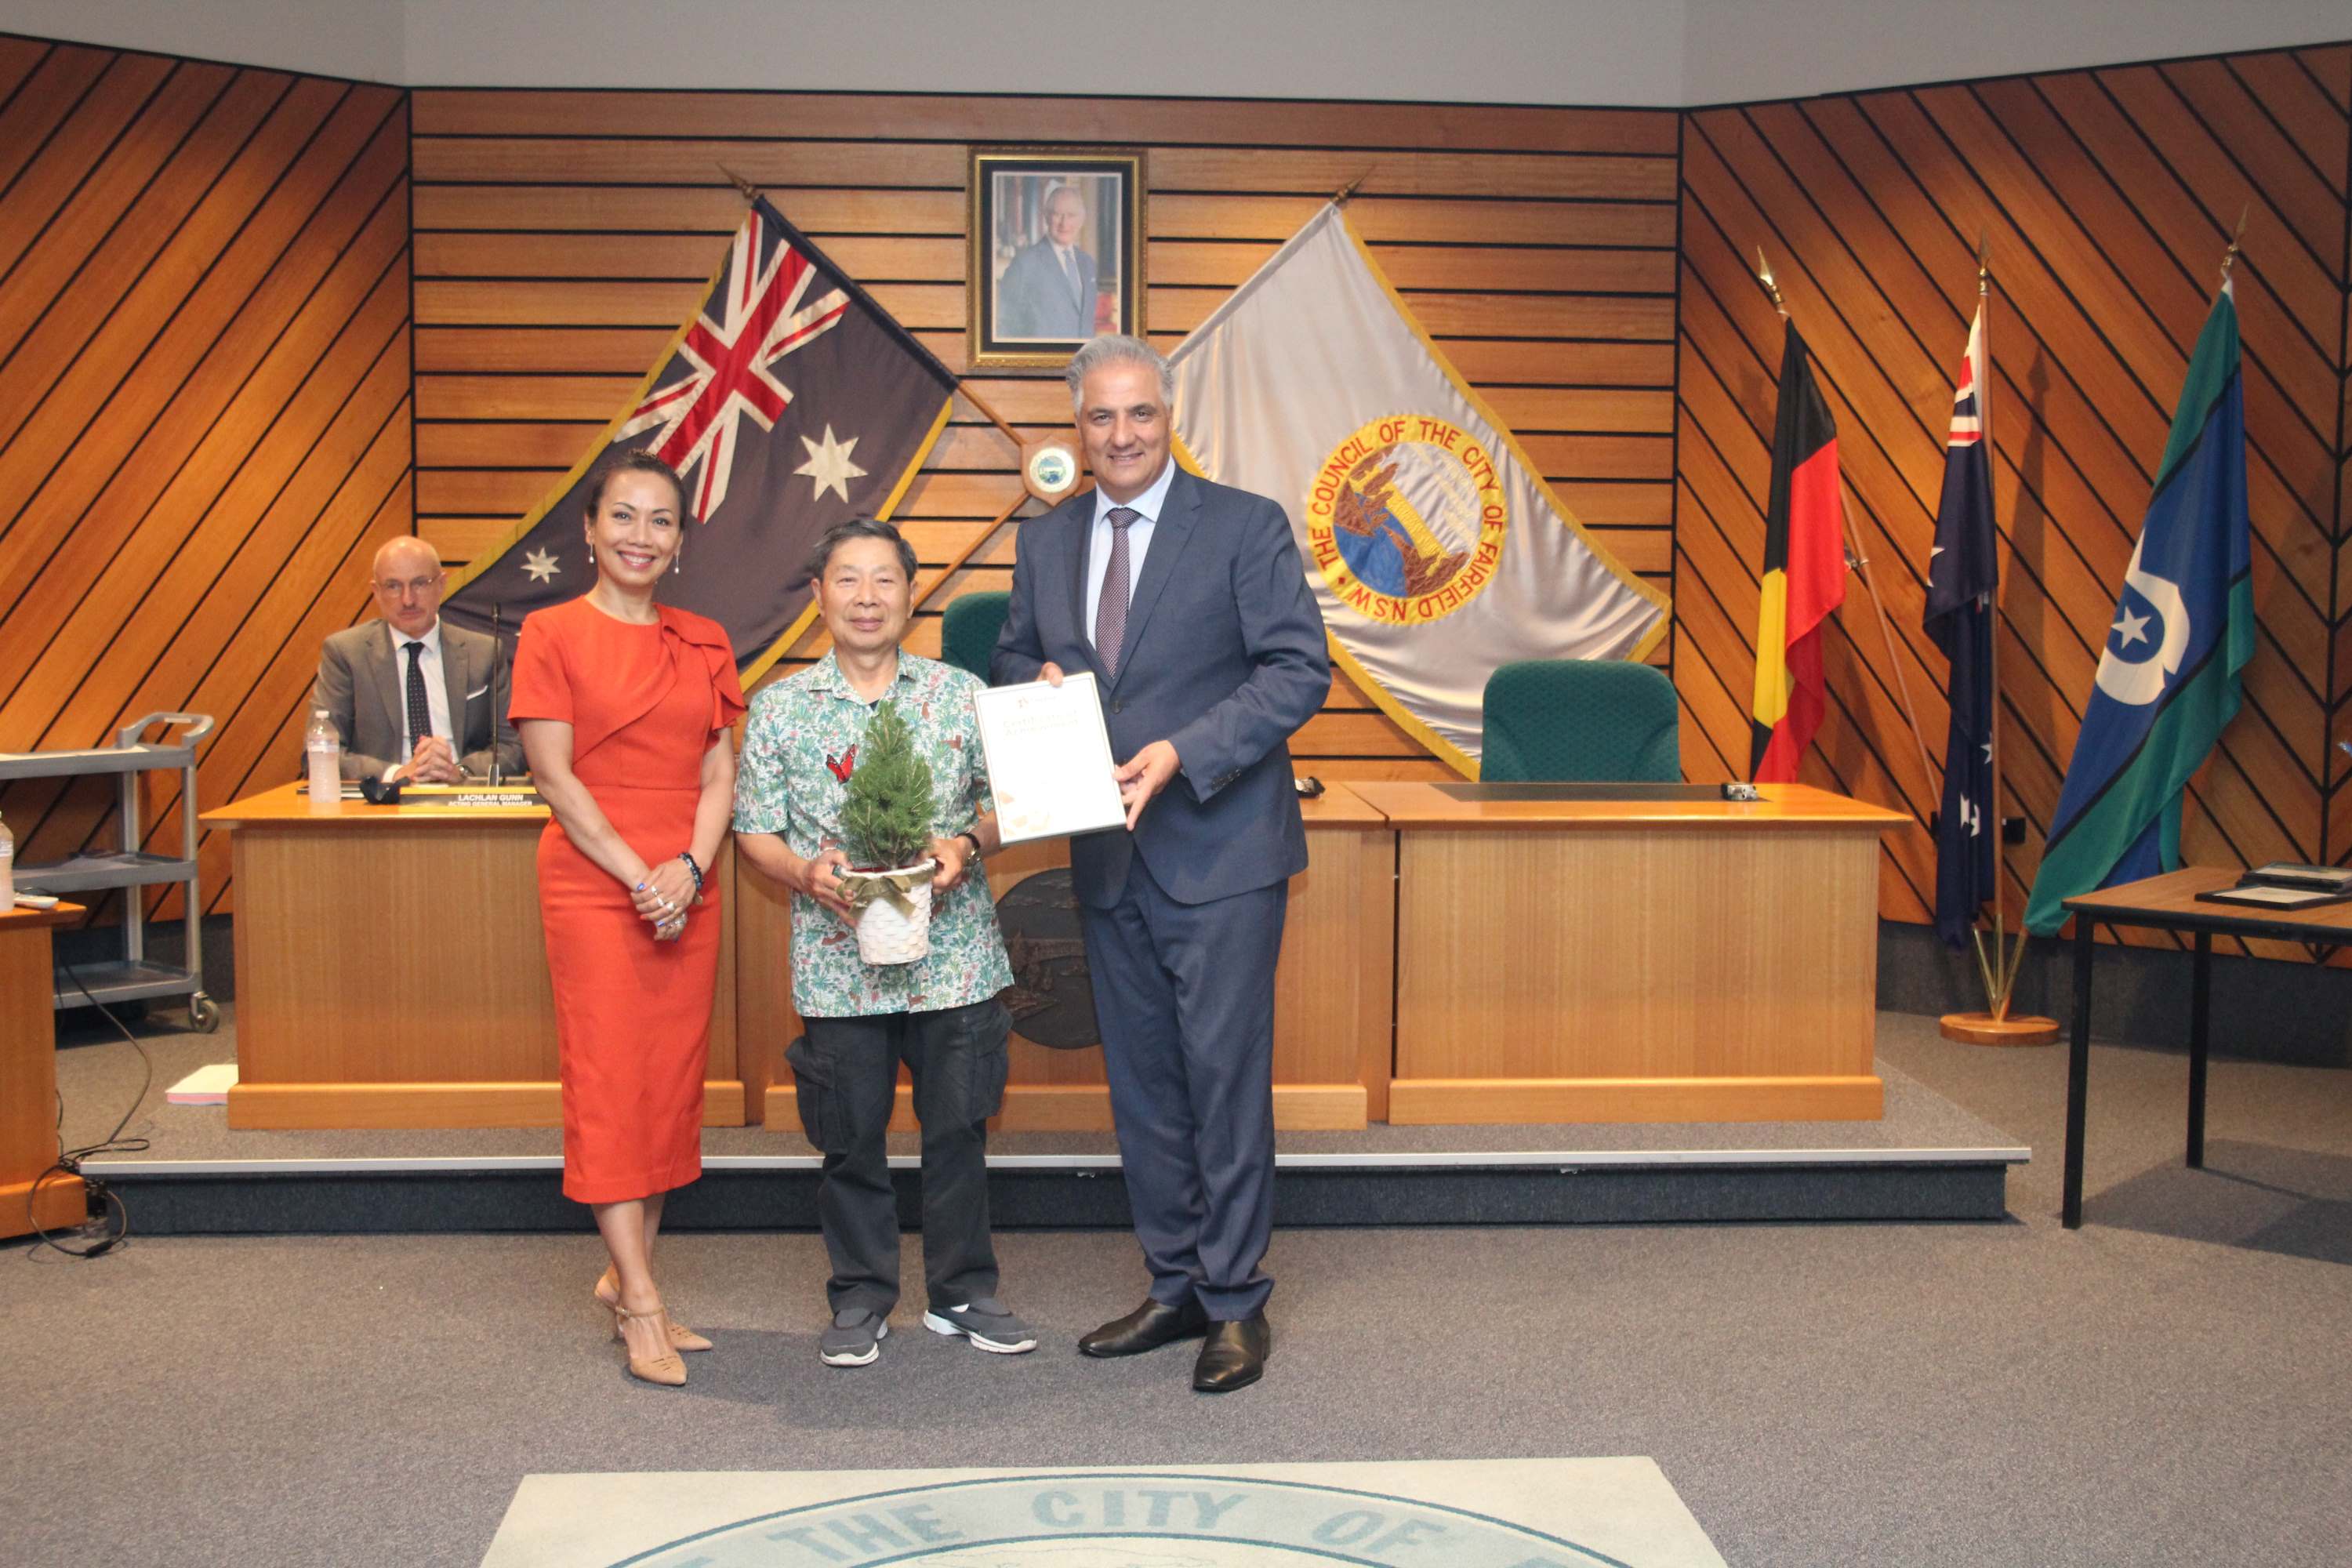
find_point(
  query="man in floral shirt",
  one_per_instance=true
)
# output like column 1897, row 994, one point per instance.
column 939, row 1015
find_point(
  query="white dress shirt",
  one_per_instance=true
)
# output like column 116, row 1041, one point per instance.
column 436, row 691
column 1147, row 508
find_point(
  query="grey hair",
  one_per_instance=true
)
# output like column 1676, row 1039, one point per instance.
column 1117, row 348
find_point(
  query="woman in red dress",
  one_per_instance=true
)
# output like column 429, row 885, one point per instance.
column 623, row 707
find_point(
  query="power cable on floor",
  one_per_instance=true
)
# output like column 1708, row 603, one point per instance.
column 110, row 1223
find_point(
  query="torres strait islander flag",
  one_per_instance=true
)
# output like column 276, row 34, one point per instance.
column 1963, row 571
column 788, row 401
column 2168, row 678
column 1432, row 543
column 1804, row 573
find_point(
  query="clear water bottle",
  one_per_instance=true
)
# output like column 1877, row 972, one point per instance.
column 324, row 747
column 7, row 867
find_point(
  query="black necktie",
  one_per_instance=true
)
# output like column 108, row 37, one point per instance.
column 420, row 710
column 1110, row 609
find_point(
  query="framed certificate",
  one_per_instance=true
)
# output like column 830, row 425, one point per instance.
column 1048, row 756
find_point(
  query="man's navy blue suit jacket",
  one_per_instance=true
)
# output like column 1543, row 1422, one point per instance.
column 1224, row 658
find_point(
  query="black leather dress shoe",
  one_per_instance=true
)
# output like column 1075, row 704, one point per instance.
column 1149, row 1326
column 1235, row 1356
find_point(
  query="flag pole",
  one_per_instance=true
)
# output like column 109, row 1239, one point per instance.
column 2004, row 967
column 1994, row 1026
column 955, row 563
column 1859, row 563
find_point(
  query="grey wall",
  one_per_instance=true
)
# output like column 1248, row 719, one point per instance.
column 1651, row 52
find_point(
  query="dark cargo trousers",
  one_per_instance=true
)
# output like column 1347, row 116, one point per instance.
column 845, row 1074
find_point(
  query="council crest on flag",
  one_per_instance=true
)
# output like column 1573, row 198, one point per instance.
column 1435, row 547
column 787, row 403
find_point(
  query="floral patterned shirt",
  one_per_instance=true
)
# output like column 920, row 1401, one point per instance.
column 790, row 782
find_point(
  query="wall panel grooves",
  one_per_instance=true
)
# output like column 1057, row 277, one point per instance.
column 252, row 323
column 1536, row 246
column 2108, row 194
column 204, row 330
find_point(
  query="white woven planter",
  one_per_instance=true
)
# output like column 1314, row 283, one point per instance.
column 895, row 927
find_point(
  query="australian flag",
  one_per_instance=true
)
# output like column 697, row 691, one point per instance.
column 789, row 402
column 1962, row 575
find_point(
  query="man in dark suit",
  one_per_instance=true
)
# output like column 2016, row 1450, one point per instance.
column 414, row 697
column 1189, row 603
column 1048, row 291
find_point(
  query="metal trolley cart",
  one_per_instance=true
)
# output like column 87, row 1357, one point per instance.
column 133, row 977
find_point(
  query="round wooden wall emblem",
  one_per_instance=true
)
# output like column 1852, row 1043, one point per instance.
column 1050, row 468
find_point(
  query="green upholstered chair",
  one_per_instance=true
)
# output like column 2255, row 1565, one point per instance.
column 1580, row 721
column 968, row 631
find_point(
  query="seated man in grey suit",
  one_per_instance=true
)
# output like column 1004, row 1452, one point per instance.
column 416, row 699
column 1048, row 291
column 1189, row 603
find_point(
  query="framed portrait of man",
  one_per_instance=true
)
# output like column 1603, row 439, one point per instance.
column 1057, row 252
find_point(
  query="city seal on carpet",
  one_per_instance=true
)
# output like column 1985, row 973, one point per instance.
column 1453, row 1513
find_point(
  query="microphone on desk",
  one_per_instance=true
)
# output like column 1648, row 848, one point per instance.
column 497, row 651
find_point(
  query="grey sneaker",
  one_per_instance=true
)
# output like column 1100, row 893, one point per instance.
column 985, row 1324
column 854, row 1338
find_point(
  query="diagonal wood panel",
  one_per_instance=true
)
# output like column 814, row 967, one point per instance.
column 2107, row 196
column 204, row 330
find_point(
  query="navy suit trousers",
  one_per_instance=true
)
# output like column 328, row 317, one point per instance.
column 1185, row 996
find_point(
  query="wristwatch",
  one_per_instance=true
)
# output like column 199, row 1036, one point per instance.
column 973, row 839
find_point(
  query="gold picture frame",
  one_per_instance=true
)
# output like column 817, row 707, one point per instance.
column 1056, row 251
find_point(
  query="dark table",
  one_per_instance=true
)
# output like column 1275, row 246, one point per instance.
column 2170, row 903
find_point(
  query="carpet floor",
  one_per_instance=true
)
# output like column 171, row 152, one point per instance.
column 2152, row 1389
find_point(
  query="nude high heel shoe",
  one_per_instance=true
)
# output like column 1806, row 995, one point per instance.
column 608, row 1296
column 665, row 1369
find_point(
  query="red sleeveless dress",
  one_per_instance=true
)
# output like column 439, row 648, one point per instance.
column 632, row 1015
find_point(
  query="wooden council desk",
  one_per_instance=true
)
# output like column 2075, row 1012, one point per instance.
column 1331, row 1002
column 1670, row 960
column 29, row 1077
column 390, row 970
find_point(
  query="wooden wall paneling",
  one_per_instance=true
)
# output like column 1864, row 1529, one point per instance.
column 1536, row 244
column 73, row 144
column 172, row 557
column 127, row 337
column 115, row 470
column 19, row 58
column 81, row 203
column 102, row 258
column 204, row 324
column 2107, row 196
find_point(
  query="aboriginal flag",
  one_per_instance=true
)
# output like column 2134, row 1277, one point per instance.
column 788, row 401
column 1804, row 573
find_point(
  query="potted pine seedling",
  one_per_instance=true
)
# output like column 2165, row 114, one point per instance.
column 885, row 828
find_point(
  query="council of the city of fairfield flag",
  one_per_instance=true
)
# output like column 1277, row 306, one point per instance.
column 788, row 401
column 1963, row 572
column 1434, row 546
column 2168, row 678
column 1803, row 580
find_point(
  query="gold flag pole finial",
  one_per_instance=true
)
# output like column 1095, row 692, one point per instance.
column 2229, row 257
column 750, row 192
column 1984, row 262
column 1339, row 197
column 1764, row 276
